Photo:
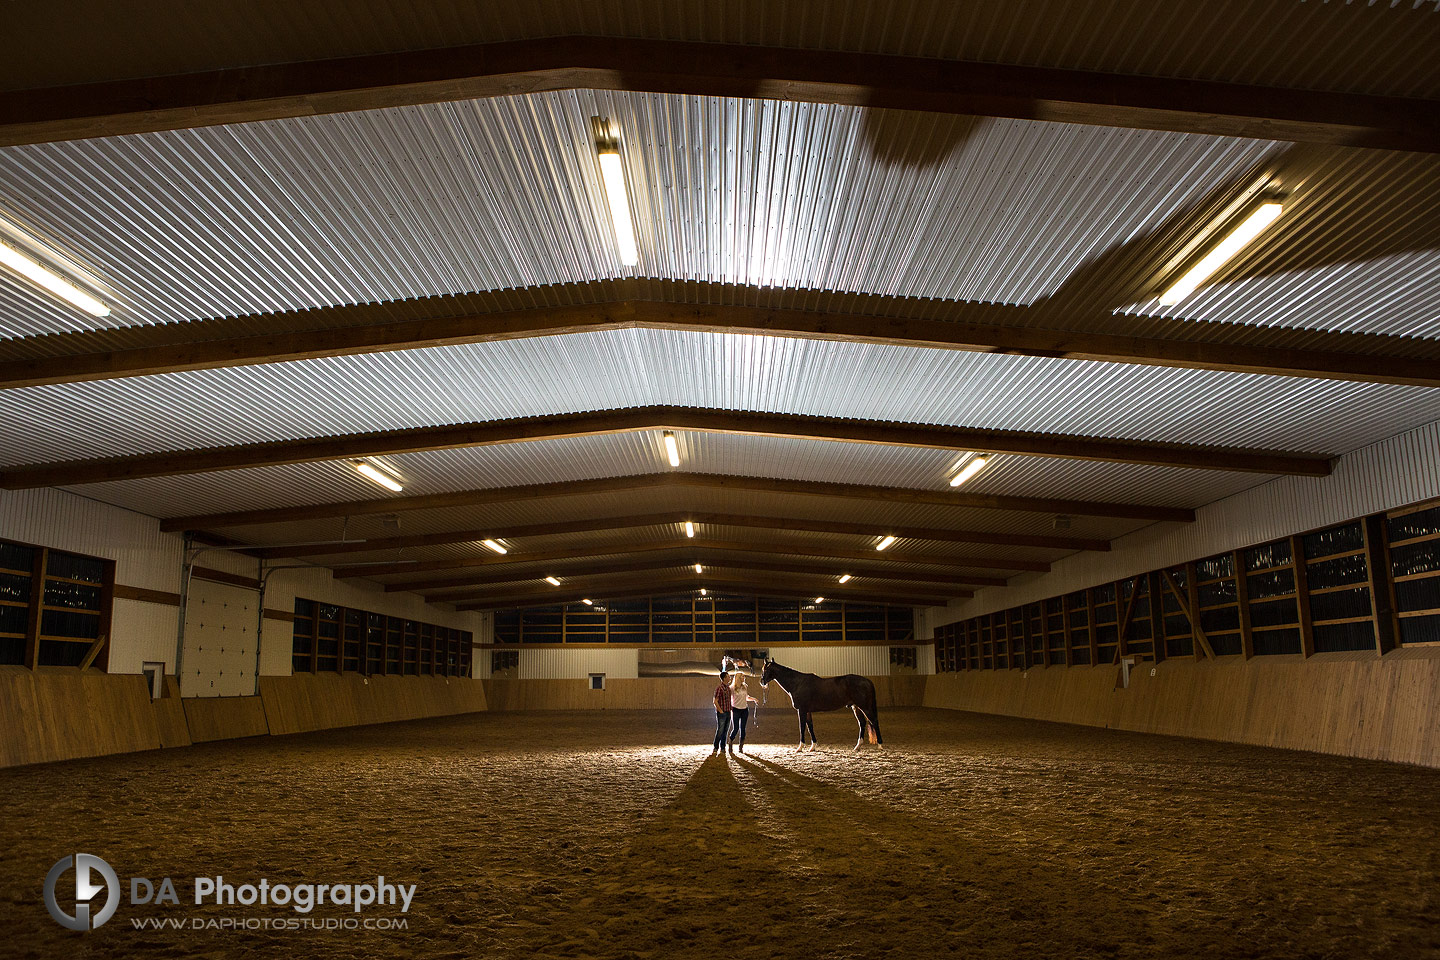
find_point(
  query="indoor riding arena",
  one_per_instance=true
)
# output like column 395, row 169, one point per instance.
column 673, row 480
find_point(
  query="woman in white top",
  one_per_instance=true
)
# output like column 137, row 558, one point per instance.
column 740, row 709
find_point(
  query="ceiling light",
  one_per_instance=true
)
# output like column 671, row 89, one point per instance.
column 1243, row 232
column 884, row 543
column 374, row 473
column 612, row 171
column 552, row 581
column 968, row 466
column 702, row 591
column 845, row 579
column 495, row 545
column 671, row 450
column 819, row 599
column 588, row 603
column 699, row 569
column 42, row 276
column 689, row 529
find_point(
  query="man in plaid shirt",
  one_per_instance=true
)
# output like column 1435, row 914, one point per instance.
column 722, row 713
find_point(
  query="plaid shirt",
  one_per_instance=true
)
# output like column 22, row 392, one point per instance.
column 722, row 698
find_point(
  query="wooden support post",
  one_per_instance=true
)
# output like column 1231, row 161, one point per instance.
column 1202, row 641
column 37, row 607
column 1382, row 585
column 107, row 614
column 1192, row 590
column 94, row 651
column 1302, row 597
column 1122, row 625
column 1069, row 631
column 1090, row 618
column 1242, row 600
column 1157, row 616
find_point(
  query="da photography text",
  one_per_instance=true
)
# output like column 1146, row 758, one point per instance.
column 93, row 877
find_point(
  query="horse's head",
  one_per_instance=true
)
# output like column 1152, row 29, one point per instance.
column 768, row 673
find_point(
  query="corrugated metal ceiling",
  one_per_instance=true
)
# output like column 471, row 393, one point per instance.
column 504, row 194
column 719, row 371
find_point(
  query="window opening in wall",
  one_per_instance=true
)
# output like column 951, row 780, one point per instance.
column 597, row 681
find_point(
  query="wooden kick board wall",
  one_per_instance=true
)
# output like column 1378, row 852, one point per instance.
column 62, row 715
column 1355, row 705
column 661, row 693
column 325, row 701
column 67, row 714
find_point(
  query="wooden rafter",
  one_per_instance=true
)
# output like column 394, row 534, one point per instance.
column 444, row 321
column 787, row 549
column 660, row 418
column 262, row 92
column 759, row 586
column 676, row 557
column 649, row 520
column 651, row 481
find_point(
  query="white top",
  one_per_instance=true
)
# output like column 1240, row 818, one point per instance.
column 741, row 695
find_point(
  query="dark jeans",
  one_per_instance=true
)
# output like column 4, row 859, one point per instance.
column 722, row 723
column 737, row 725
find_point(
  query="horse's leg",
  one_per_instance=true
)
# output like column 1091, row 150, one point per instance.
column 810, row 721
column 801, row 714
column 860, row 719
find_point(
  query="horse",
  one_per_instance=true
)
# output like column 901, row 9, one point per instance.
column 810, row 693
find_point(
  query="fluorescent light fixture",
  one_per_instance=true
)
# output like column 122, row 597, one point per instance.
column 671, row 450
column 552, row 581
column 495, row 545
column 42, row 276
column 699, row 569
column 845, row 579
column 819, row 599
column 1244, row 232
column 588, row 603
column 689, row 529
column 612, row 171
column 884, row 543
column 968, row 466
column 374, row 473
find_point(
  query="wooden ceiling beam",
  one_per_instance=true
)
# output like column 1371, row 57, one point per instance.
column 443, row 591
column 372, row 570
column 765, row 587
column 448, row 321
column 947, row 497
column 870, row 531
column 608, row 422
column 262, row 92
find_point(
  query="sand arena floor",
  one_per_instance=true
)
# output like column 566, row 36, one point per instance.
column 616, row 835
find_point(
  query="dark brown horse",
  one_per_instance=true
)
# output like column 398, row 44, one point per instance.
column 810, row 693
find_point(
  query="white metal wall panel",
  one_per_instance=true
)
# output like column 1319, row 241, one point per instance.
column 1402, row 470
column 144, row 557
column 141, row 632
column 220, row 638
column 834, row 661
column 558, row 664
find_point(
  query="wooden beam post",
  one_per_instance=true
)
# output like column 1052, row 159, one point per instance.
column 1382, row 585
column 1202, row 642
column 1242, row 599
column 1302, row 596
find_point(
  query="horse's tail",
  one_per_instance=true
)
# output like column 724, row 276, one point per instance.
column 872, row 715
